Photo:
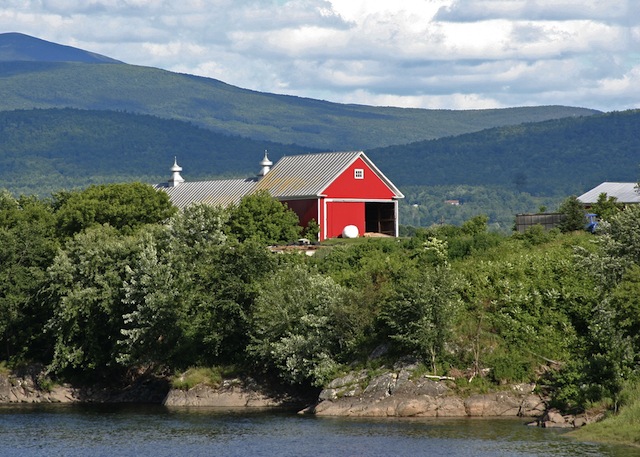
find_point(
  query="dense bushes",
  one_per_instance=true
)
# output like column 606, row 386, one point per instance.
column 199, row 288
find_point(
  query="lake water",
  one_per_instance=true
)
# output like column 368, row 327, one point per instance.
column 133, row 430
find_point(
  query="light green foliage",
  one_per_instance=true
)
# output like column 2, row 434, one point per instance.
column 475, row 225
column 606, row 207
column 122, row 206
column 421, row 310
column 198, row 226
column 197, row 376
column 369, row 269
column 293, row 330
column 622, row 235
column 87, row 287
column 152, row 330
column 262, row 218
column 535, row 302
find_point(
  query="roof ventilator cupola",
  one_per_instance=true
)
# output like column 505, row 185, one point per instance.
column 266, row 164
column 175, row 179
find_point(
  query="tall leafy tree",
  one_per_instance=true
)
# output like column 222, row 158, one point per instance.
column 262, row 218
column 125, row 207
column 154, row 330
column 420, row 313
column 293, row 331
column 87, row 282
column 606, row 207
column 27, row 246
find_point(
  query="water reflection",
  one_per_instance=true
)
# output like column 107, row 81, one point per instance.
column 123, row 430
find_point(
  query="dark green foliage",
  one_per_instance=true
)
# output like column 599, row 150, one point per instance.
column 162, row 294
column 262, row 218
column 557, row 157
column 293, row 326
column 574, row 215
column 47, row 150
column 510, row 367
column 420, row 312
column 122, row 206
column 612, row 346
column 88, row 293
column 27, row 247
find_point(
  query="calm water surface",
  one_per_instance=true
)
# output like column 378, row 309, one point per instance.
column 72, row 430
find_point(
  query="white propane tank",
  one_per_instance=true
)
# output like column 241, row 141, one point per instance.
column 350, row 231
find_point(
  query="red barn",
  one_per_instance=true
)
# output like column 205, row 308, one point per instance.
column 336, row 189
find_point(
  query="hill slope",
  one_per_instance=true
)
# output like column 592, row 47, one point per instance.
column 48, row 150
column 210, row 103
column 559, row 157
column 43, row 150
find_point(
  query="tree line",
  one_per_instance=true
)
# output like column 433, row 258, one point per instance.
column 100, row 283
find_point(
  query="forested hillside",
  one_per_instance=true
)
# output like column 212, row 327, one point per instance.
column 49, row 150
column 560, row 157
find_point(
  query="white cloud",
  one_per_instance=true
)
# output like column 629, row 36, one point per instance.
column 417, row 53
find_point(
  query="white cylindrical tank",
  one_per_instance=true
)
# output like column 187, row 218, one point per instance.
column 350, row 231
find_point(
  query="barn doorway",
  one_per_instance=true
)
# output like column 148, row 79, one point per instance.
column 380, row 218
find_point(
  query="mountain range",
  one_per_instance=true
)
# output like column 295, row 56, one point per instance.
column 76, row 83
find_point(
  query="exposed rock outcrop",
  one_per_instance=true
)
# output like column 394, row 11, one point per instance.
column 233, row 393
column 398, row 393
column 24, row 387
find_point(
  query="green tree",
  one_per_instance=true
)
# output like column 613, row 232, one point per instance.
column 262, row 218
column 293, row 331
column 606, row 207
column 27, row 247
column 611, row 342
column 421, row 311
column 153, row 330
column 574, row 215
column 86, row 286
column 124, row 206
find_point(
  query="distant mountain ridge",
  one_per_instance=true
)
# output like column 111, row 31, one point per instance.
column 20, row 47
column 43, row 79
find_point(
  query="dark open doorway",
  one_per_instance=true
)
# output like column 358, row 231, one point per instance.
column 380, row 218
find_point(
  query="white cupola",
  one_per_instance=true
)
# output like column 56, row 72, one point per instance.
column 265, row 165
column 175, row 179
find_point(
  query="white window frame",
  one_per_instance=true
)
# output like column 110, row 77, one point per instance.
column 358, row 173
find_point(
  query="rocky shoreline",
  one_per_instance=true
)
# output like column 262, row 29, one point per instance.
column 391, row 393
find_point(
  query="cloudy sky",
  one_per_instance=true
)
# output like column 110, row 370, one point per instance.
column 451, row 54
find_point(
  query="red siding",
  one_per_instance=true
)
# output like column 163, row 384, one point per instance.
column 369, row 188
column 341, row 214
column 305, row 209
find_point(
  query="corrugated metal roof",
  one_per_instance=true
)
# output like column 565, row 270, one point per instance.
column 308, row 175
column 224, row 193
column 300, row 176
column 625, row 192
